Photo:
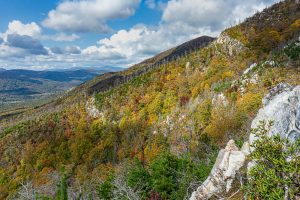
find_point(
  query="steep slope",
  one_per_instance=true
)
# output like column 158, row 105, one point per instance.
column 157, row 132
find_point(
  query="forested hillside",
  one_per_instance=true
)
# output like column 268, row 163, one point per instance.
column 21, row 88
column 154, row 130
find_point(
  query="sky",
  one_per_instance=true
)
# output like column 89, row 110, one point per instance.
column 59, row 34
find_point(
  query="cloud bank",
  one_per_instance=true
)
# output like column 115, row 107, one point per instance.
column 89, row 15
column 181, row 20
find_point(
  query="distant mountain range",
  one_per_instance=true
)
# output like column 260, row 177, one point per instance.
column 18, row 86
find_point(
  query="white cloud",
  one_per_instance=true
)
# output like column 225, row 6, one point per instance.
column 17, row 27
column 35, row 31
column 88, row 15
column 129, row 46
column 9, row 52
column 61, row 37
column 216, row 14
column 181, row 20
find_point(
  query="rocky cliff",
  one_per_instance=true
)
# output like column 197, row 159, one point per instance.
column 282, row 106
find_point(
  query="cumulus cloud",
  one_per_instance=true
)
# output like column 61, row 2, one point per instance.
column 61, row 37
column 88, row 15
column 35, row 31
column 21, row 40
column 27, row 43
column 181, row 20
column 124, row 45
column 30, row 29
column 216, row 14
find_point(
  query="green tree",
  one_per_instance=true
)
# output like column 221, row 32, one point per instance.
column 105, row 190
column 138, row 178
column 292, row 51
column 62, row 188
column 276, row 174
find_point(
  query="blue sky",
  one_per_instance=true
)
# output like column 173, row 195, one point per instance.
column 47, row 34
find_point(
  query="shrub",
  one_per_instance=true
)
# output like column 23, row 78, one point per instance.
column 167, row 176
column 105, row 190
column 292, row 51
column 224, row 120
column 221, row 86
column 250, row 102
column 139, row 179
column 62, row 188
column 276, row 174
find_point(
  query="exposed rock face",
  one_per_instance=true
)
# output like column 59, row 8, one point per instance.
column 228, row 162
column 91, row 109
column 250, row 68
column 249, row 76
column 282, row 106
column 229, row 45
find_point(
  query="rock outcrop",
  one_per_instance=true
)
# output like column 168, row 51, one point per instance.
column 228, row 163
column 282, row 106
column 91, row 109
column 229, row 45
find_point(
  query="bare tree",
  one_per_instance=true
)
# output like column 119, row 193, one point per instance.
column 123, row 190
column 26, row 191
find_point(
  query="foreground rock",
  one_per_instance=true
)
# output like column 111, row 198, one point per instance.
column 228, row 162
column 282, row 106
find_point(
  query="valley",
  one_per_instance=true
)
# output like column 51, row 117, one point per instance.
column 24, row 88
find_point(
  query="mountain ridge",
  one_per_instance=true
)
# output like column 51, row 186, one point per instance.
column 110, row 80
column 154, row 135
